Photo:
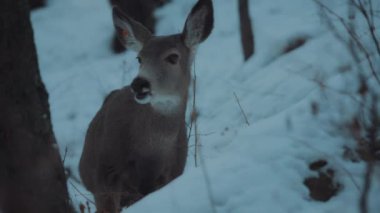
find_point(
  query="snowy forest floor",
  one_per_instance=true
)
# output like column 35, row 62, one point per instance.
column 261, row 123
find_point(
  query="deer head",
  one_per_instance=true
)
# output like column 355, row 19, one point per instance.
column 164, row 74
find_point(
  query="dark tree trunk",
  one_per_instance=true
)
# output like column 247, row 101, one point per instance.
column 246, row 33
column 34, row 4
column 32, row 178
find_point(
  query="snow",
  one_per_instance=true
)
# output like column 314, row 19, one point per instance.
column 243, row 168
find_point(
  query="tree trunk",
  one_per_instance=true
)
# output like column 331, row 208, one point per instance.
column 246, row 33
column 34, row 4
column 32, row 178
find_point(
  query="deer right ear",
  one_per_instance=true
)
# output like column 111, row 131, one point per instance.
column 199, row 23
column 131, row 33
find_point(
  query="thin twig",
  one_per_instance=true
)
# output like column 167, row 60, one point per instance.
column 88, row 207
column 194, row 118
column 370, row 23
column 372, row 140
column 193, row 146
column 208, row 183
column 367, row 186
column 371, row 12
column 197, row 145
column 83, row 195
column 204, row 134
column 241, row 109
column 193, row 103
column 64, row 156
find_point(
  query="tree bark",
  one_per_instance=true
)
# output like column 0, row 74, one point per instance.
column 32, row 177
column 246, row 32
column 34, row 4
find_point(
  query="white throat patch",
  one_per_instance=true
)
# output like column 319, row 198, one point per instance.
column 165, row 104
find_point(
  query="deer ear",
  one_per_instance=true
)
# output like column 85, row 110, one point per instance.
column 199, row 23
column 131, row 33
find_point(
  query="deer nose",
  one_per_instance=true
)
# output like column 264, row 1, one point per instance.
column 140, row 86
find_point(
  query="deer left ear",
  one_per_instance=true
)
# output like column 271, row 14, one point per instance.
column 199, row 23
column 131, row 33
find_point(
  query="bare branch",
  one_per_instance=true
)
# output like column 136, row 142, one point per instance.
column 241, row 109
column 372, row 137
column 193, row 104
column 368, row 16
column 353, row 36
column 208, row 183
column 64, row 156
column 83, row 195
column 197, row 145
column 371, row 12
column 367, row 186
column 193, row 119
column 370, row 120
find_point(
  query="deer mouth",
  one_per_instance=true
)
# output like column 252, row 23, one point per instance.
column 144, row 96
column 142, row 90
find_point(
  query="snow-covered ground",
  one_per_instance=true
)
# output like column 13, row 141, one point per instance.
column 257, row 166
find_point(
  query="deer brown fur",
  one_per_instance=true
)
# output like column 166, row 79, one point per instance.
column 137, row 141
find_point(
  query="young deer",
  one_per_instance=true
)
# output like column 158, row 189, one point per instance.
column 137, row 141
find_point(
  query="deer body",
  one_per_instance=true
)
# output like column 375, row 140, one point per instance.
column 137, row 141
column 138, row 151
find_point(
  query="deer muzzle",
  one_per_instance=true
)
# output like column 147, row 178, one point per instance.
column 142, row 90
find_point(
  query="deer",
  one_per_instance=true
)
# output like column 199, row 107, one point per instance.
column 137, row 143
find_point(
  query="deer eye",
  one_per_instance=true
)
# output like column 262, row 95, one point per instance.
column 139, row 59
column 172, row 59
